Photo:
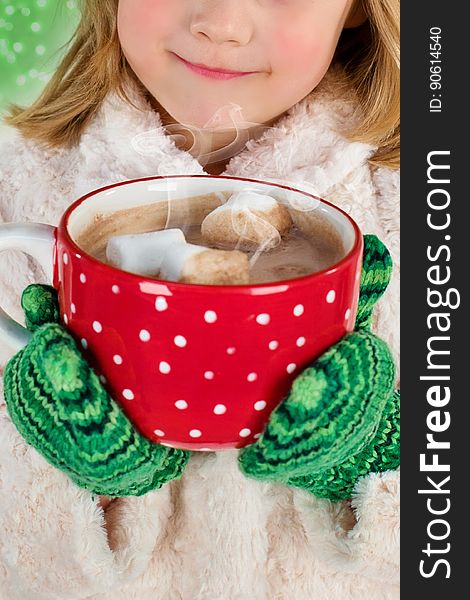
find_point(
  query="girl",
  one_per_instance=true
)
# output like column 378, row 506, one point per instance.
column 299, row 90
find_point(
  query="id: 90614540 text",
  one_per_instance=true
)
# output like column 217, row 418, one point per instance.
column 435, row 69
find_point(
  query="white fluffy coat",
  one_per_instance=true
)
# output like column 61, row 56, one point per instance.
column 214, row 534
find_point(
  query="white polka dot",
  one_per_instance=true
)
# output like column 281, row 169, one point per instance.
column 166, row 444
column 330, row 297
column 220, row 409
column 231, row 350
column 78, row 255
column 144, row 335
column 195, row 433
column 159, row 432
column 298, row 310
column 291, row 367
column 97, row 326
column 252, row 377
column 103, row 379
column 73, row 308
column 115, row 289
column 260, row 405
column 84, row 343
column 66, row 319
column 347, row 314
column 128, row 394
column 161, row 304
column 181, row 404
column 164, row 367
column 273, row 345
column 83, row 277
column 300, row 341
column 65, row 258
column 263, row 319
column 117, row 359
column 245, row 432
column 209, row 374
column 180, row 341
column 210, row 316
column 257, row 435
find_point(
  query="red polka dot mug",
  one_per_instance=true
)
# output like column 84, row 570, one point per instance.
column 196, row 367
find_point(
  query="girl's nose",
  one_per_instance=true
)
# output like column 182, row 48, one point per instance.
column 222, row 21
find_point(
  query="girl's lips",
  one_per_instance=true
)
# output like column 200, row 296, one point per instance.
column 212, row 73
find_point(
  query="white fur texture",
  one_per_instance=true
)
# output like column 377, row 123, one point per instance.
column 214, row 534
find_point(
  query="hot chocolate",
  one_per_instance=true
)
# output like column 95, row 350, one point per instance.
column 311, row 244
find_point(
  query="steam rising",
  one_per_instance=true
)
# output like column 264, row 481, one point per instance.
column 230, row 117
column 227, row 117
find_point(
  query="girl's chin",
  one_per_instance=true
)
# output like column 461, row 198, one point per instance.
column 215, row 115
column 218, row 116
column 210, row 121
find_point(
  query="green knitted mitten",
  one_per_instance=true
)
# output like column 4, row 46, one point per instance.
column 59, row 406
column 340, row 420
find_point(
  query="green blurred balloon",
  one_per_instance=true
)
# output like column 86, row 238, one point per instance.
column 31, row 35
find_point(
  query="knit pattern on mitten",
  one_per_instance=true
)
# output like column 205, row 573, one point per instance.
column 375, row 277
column 382, row 454
column 59, row 406
column 40, row 305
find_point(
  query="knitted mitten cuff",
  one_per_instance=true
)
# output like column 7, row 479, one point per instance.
column 382, row 454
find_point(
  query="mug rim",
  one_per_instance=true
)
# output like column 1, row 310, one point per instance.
column 248, row 287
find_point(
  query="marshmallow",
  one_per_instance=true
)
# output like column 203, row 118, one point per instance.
column 142, row 253
column 247, row 220
column 188, row 263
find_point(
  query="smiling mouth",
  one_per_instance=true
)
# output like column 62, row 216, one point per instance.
column 212, row 73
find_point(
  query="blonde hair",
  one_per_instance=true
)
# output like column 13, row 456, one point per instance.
column 94, row 65
column 371, row 57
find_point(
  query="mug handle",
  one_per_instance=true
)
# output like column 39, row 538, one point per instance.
column 37, row 240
